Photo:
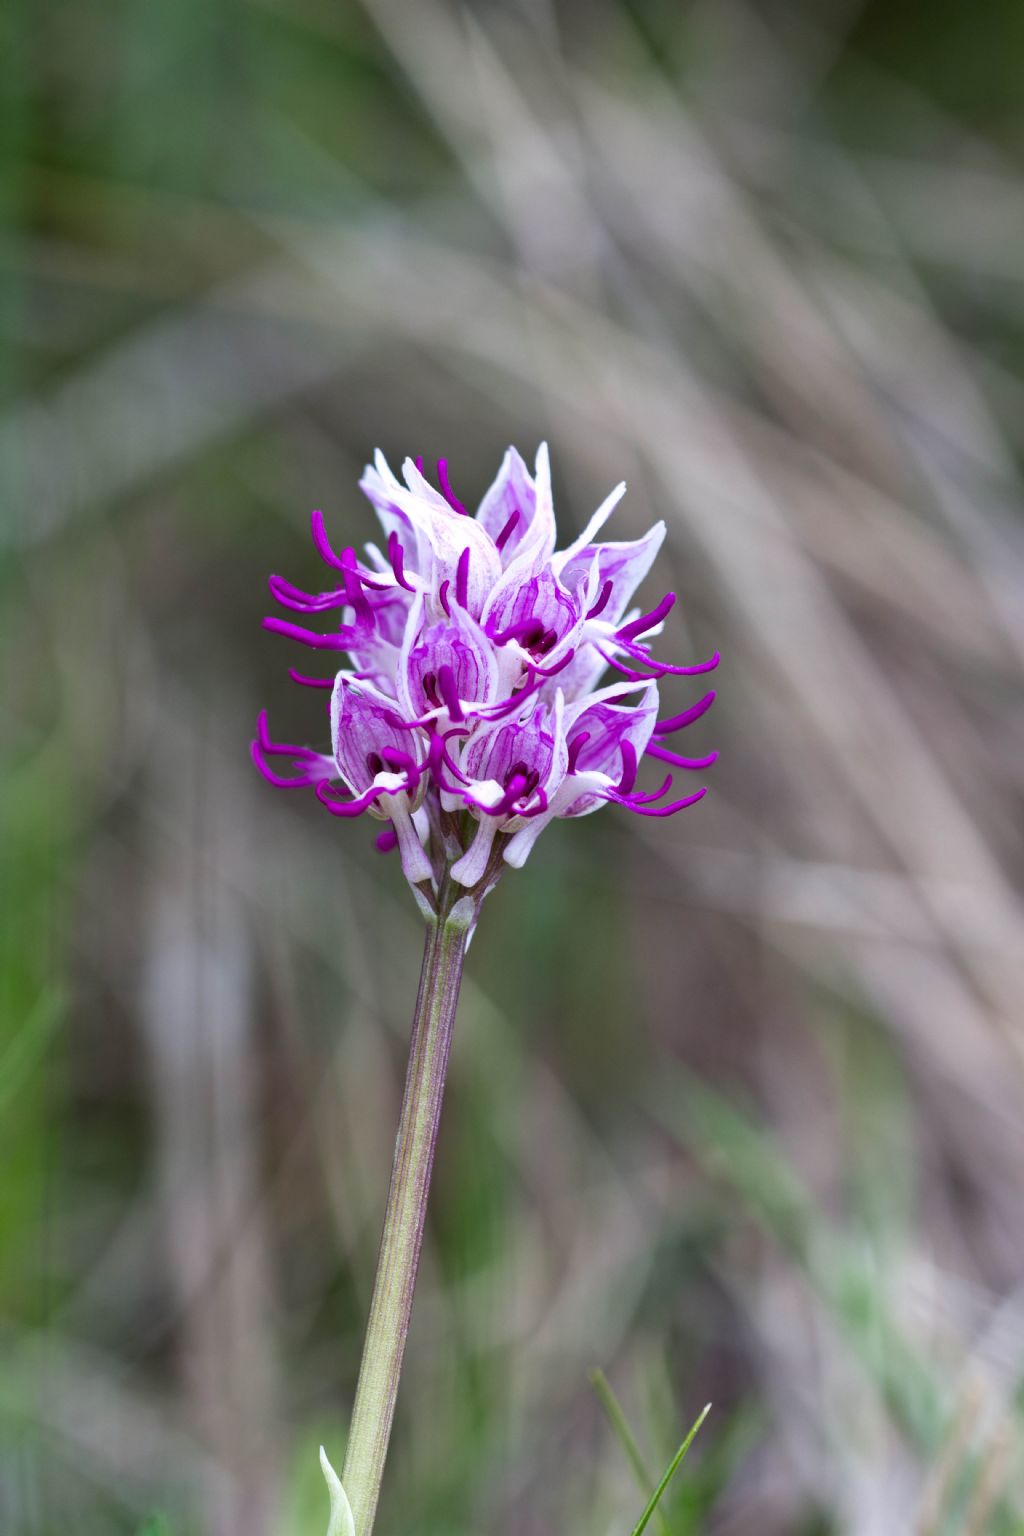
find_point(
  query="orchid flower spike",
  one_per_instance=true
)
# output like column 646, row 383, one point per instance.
column 469, row 711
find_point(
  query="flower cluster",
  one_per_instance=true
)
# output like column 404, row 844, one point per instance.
column 468, row 715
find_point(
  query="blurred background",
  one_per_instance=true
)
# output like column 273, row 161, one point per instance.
column 735, row 1111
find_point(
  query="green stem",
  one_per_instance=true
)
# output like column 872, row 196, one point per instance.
column 388, row 1324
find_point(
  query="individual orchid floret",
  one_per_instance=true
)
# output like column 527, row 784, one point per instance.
column 537, row 615
column 376, row 761
column 467, row 712
column 508, row 775
column 447, row 668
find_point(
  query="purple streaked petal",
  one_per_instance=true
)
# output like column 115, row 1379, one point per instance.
column 608, row 737
column 623, row 564
column 536, row 611
column 365, row 725
column 445, row 665
column 517, row 513
column 445, row 539
column 392, row 503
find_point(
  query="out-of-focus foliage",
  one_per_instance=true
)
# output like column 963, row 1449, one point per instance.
column 735, row 1110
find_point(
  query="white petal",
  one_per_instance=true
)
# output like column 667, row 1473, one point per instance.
column 520, row 845
column 415, row 864
column 607, row 695
column 596, row 523
column 470, row 868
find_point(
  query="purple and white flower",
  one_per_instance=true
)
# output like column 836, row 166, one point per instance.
column 469, row 714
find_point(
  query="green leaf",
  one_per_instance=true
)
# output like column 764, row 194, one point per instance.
column 341, row 1522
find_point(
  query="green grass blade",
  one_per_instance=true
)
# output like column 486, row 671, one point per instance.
column 670, row 1473
column 620, row 1428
